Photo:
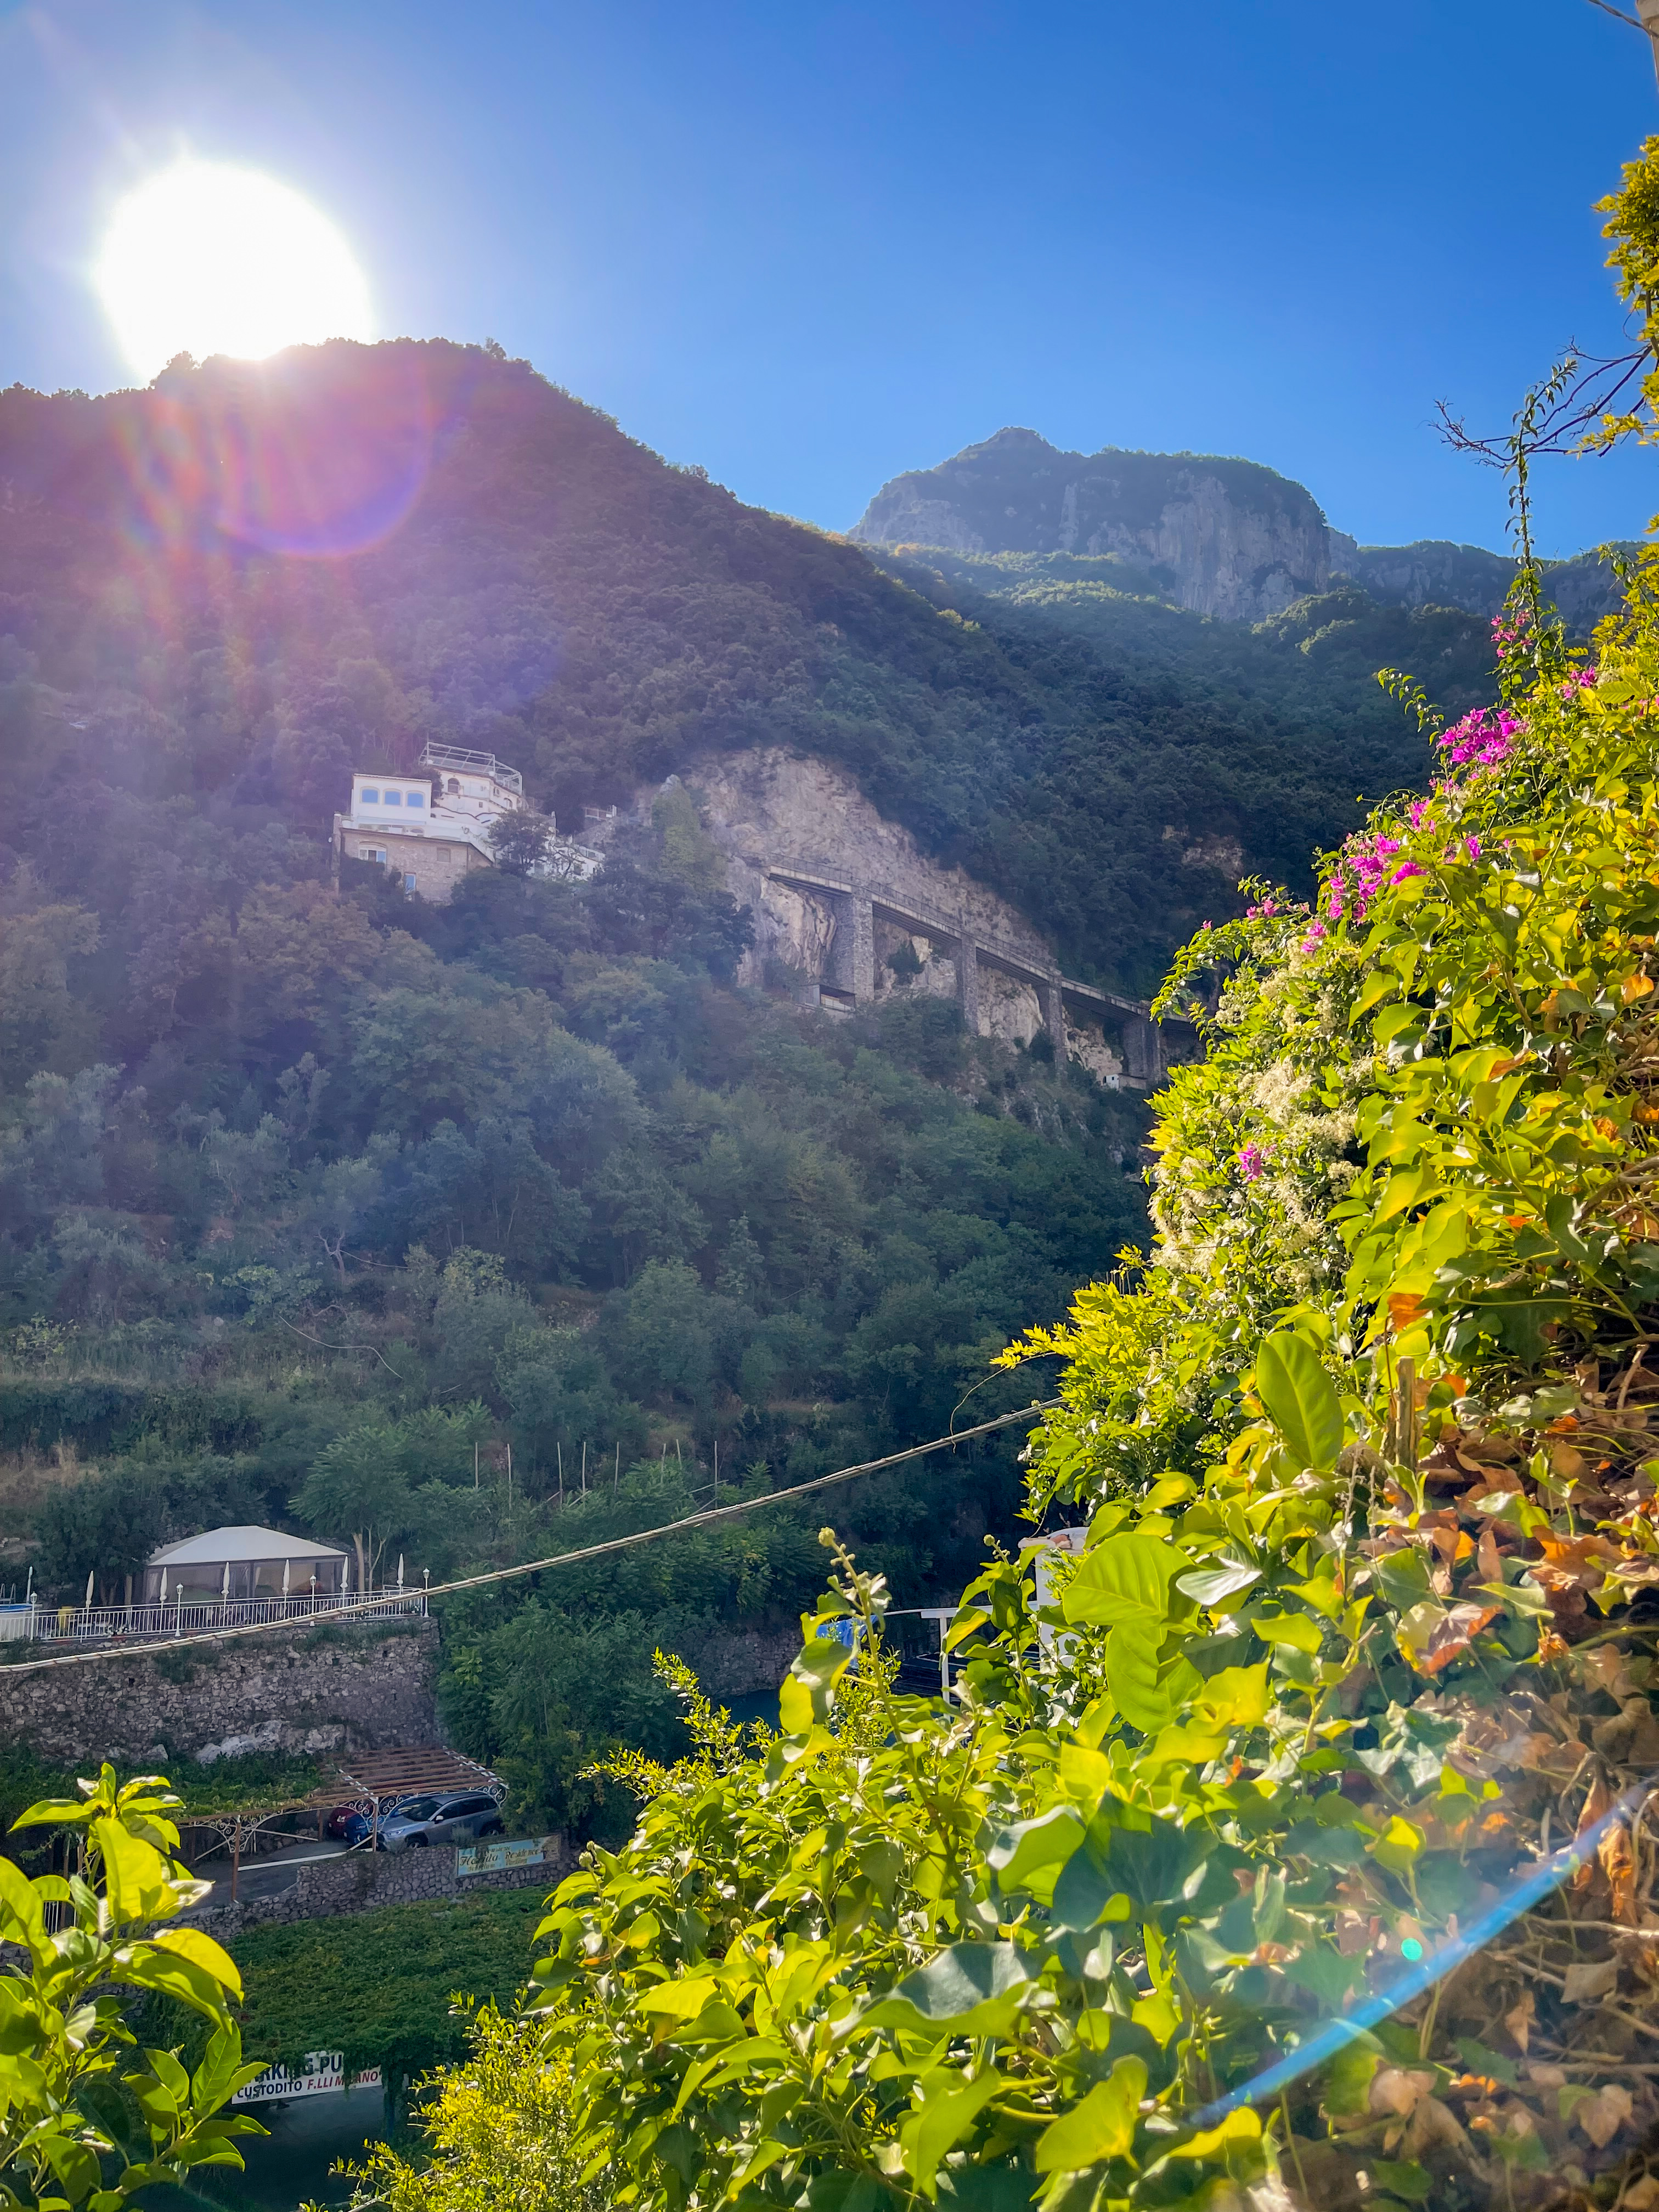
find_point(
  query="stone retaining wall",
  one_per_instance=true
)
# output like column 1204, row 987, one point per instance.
column 364, row 1881
column 305, row 1689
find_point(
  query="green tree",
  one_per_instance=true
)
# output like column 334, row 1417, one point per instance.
column 106, row 1525
column 496, row 2132
column 86, row 2118
column 666, row 1342
column 41, row 1022
column 359, row 1486
column 520, row 841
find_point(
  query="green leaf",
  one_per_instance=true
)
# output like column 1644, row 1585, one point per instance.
column 1299, row 1398
column 1213, row 1586
column 1148, row 1695
column 1102, row 2126
column 1086, row 1894
column 146, row 1968
column 681, row 1999
column 940, row 2124
column 1030, row 1854
column 972, row 1989
column 1298, row 1630
column 212, row 1958
column 1403, row 2176
column 74, row 2166
column 1237, row 1696
column 1479, row 2059
column 1240, row 2127
column 1125, row 1580
column 136, row 1881
column 804, row 1699
column 21, row 1911
column 1169, row 1489
column 1398, row 1846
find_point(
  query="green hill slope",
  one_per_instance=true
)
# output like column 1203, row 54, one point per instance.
column 333, row 1197
column 501, row 567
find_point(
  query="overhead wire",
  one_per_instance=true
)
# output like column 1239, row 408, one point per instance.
column 1618, row 14
column 368, row 1608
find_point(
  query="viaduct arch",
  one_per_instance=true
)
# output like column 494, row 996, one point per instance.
column 850, row 973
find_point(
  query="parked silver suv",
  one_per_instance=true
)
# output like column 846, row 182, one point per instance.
column 453, row 1819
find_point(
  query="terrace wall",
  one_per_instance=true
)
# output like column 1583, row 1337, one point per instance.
column 305, row 1689
column 364, row 1881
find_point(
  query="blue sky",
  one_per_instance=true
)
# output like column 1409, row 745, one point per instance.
column 811, row 246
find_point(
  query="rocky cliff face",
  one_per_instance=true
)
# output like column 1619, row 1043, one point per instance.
column 774, row 813
column 1434, row 573
column 1223, row 536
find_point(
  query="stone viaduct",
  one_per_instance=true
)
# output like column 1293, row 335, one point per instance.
column 849, row 977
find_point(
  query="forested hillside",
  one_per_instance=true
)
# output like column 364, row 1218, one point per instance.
column 316, row 1202
column 504, row 568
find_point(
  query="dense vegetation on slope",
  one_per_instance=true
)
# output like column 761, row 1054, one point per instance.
column 1292, row 1844
column 510, row 572
column 319, row 1203
column 473, row 1233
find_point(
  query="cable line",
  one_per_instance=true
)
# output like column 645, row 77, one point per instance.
column 703, row 1520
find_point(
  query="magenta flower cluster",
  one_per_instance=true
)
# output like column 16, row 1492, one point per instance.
column 1580, row 679
column 1368, row 866
column 1483, row 737
column 1265, row 912
column 1252, row 1163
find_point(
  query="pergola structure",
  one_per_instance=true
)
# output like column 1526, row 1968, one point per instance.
column 370, row 1781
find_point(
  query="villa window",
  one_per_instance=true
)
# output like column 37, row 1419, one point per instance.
column 370, row 798
column 393, row 798
column 416, row 799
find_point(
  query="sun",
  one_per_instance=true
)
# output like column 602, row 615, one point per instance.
column 204, row 258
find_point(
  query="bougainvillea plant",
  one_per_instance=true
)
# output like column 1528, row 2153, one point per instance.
column 1363, row 1630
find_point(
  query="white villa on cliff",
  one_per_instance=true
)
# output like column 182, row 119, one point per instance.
column 433, row 829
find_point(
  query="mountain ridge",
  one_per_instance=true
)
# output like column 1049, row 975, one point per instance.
column 1217, row 534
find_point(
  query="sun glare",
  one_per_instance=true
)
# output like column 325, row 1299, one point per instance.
column 205, row 259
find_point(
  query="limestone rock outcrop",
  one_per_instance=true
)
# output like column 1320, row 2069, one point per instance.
column 793, row 828
column 1223, row 536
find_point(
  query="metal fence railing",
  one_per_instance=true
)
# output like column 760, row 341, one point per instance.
column 138, row 1624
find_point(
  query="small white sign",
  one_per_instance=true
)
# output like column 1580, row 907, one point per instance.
column 322, row 2070
column 492, row 1858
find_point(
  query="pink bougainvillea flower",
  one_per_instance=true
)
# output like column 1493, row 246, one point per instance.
column 1484, row 736
column 1252, row 1163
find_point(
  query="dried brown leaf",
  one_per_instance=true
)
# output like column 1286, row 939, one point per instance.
column 1601, row 2116
column 1519, row 2020
column 1591, row 1978
column 1399, row 2089
column 1618, row 1865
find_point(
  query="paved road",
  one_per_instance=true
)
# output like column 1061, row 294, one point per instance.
column 268, row 1875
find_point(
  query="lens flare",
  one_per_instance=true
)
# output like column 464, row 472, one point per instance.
column 1528, row 1889
column 205, row 259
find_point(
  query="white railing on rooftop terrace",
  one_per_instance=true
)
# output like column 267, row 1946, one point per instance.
column 139, row 1624
column 457, row 757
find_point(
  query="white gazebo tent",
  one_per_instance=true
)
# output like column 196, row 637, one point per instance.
column 242, row 1563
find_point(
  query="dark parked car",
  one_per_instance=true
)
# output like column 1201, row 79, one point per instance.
column 353, row 1826
column 460, row 1819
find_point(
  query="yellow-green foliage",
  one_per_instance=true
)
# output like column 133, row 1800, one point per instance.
column 1368, row 1460
column 498, row 2132
column 85, row 2117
